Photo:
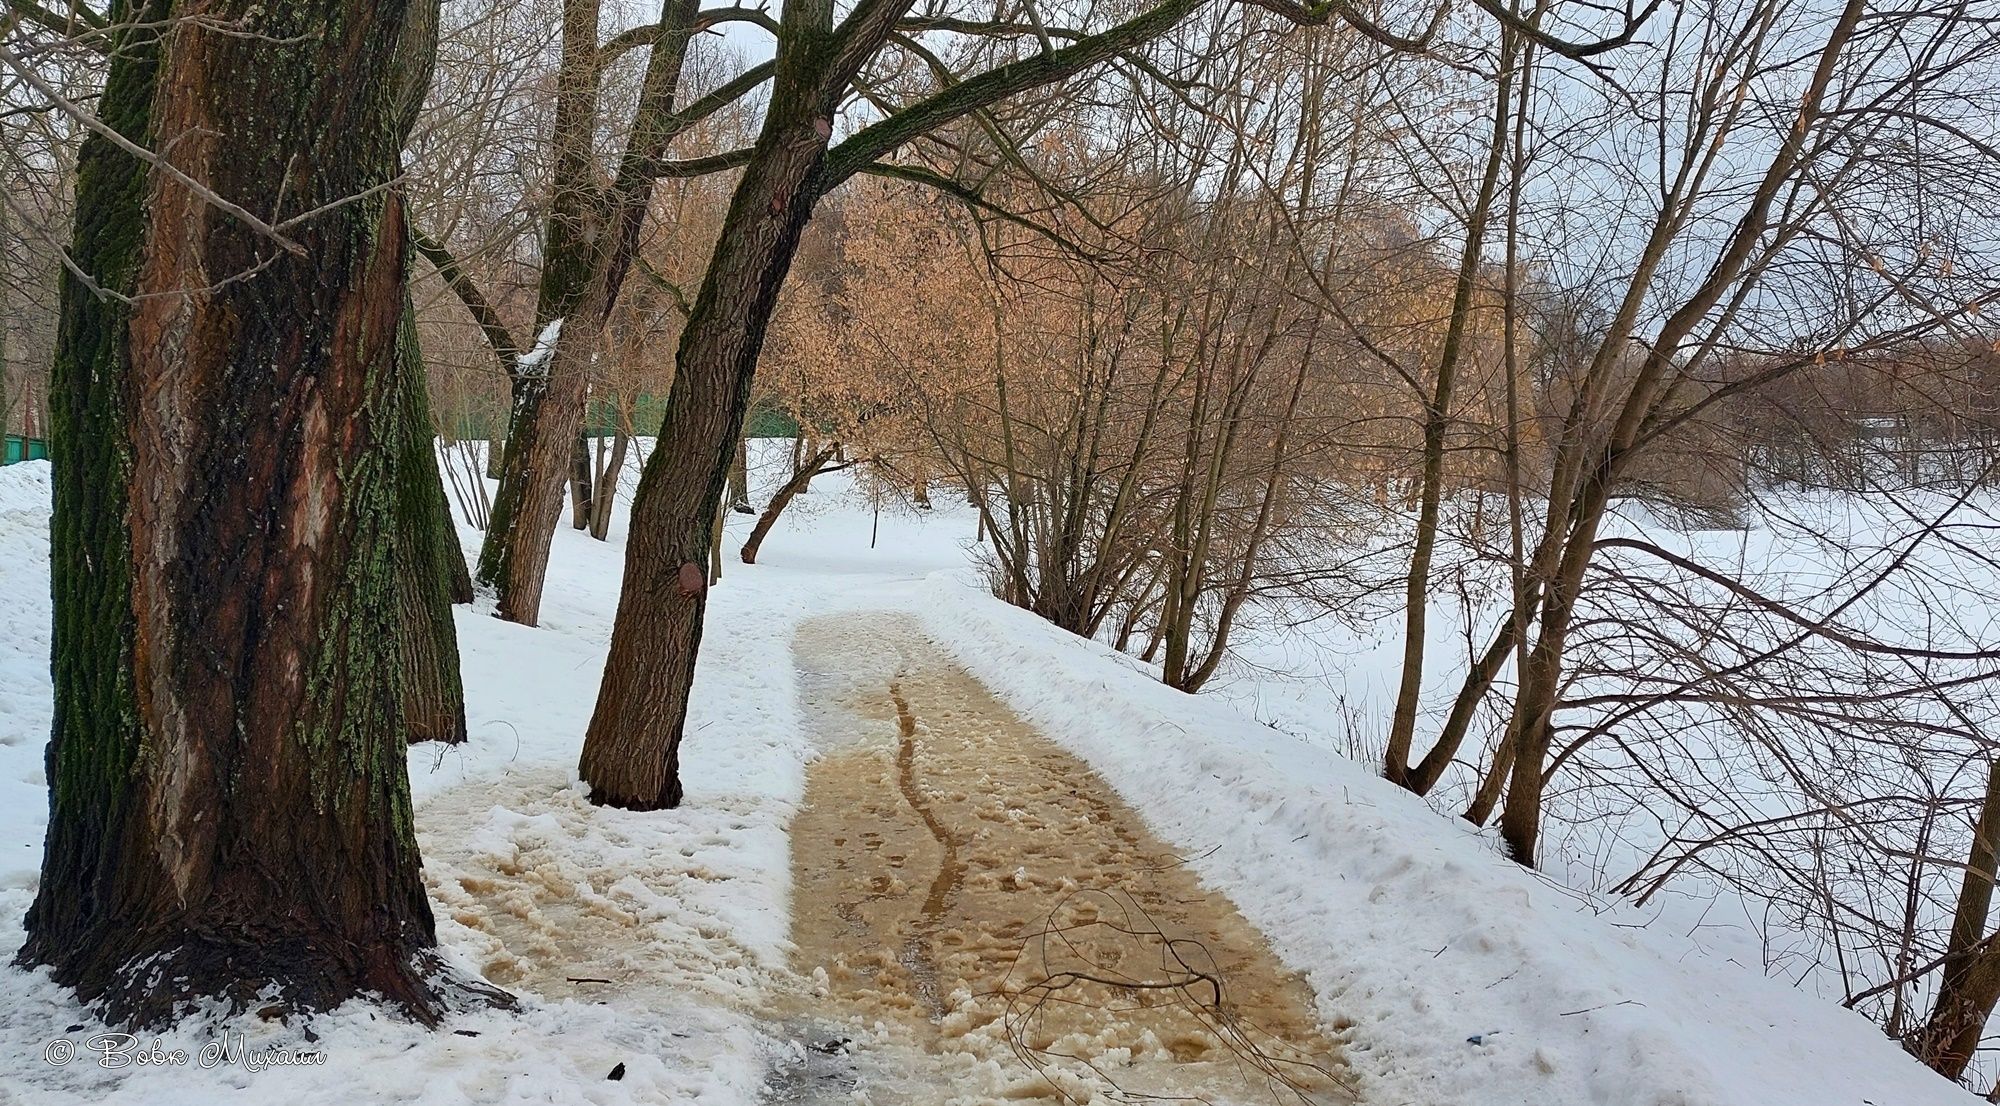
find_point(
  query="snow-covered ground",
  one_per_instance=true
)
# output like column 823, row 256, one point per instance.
column 1466, row 980
column 1871, row 794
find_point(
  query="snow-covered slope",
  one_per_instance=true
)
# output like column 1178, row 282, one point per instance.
column 1406, row 924
column 1469, row 979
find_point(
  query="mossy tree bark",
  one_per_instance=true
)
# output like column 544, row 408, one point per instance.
column 229, row 809
column 431, row 573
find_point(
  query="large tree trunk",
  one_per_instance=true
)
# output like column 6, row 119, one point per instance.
column 547, row 410
column 229, row 811
column 534, row 480
column 631, row 752
column 631, row 755
column 430, row 566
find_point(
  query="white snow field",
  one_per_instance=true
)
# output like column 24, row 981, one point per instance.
column 1466, row 981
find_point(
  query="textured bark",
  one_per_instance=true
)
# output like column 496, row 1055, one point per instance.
column 631, row 754
column 602, row 504
column 715, row 546
column 546, row 414
column 430, row 566
column 582, row 488
column 229, row 811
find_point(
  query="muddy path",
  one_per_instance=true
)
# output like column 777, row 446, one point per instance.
column 979, row 918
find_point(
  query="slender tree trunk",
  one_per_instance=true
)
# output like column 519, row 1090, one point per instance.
column 229, row 811
column 1478, row 681
column 592, row 234
column 1494, row 785
column 780, row 501
column 606, row 499
column 1532, row 724
column 547, row 393
column 1586, row 475
column 631, row 754
column 715, row 546
column 582, row 488
column 739, row 480
column 6, row 320
column 1437, row 423
column 1971, row 982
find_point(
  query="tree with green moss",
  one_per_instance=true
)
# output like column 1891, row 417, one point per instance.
column 230, row 813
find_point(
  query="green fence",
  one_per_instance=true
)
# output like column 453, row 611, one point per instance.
column 603, row 418
column 24, row 449
column 765, row 422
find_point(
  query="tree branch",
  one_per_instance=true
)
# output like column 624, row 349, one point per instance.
column 60, row 23
column 505, row 348
column 648, row 33
column 702, row 166
column 872, row 142
column 916, row 174
column 92, row 122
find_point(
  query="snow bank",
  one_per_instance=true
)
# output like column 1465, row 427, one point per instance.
column 25, row 705
column 1469, row 980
